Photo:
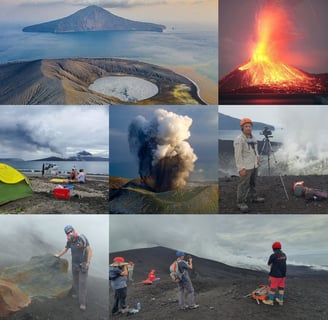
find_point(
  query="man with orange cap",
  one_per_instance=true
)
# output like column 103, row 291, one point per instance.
column 247, row 161
column 277, row 275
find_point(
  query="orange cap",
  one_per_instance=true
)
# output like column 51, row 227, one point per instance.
column 245, row 120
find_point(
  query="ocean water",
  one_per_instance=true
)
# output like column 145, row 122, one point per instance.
column 278, row 135
column 91, row 167
column 182, row 45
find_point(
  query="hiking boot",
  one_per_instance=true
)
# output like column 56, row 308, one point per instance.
column 83, row 307
column 258, row 200
column 268, row 302
column 280, row 302
column 243, row 207
column 124, row 310
column 195, row 306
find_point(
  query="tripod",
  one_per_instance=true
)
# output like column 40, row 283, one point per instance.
column 268, row 150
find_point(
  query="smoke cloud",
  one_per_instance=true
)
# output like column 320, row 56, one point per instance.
column 164, row 156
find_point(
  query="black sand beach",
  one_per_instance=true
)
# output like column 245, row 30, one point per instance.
column 220, row 290
column 90, row 198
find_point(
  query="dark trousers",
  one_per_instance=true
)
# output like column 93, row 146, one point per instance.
column 119, row 299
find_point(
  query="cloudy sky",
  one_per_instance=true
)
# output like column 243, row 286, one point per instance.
column 237, row 33
column 31, row 235
column 232, row 239
column 203, row 137
column 37, row 132
column 162, row 11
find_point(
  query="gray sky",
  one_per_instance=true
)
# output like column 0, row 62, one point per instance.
column 32, row 132
column 203, row 131
column 235, row 240
column 25, row 236
column 160, row 11
column 237, row 33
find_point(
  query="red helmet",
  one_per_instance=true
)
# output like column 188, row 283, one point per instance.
column 276, row 245
column 118, row 259
column 245, row 120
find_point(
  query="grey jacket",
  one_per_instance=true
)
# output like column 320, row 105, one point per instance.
column 246, row 153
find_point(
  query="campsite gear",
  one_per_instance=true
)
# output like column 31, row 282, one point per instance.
column 259, row 294
column 58, row 180
column 276, row 245
column 175, row 274
column 133, row 311
column 147, row 281
column 245, row 120
column 309, row 193
column 13, row 184
column 138, row 305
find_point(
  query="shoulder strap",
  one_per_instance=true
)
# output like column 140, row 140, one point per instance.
column 84, row 241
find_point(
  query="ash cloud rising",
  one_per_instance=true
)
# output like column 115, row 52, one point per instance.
column 164, row 156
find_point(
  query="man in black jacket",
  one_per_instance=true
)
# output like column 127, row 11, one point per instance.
column 277, row 275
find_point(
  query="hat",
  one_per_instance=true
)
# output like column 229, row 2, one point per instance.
column 67, row 228
column 245, row 120
column 180, row 253
column 276, row 245
column 119, row 261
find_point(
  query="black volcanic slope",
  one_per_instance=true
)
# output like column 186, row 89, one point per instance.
column 219, row 290
column 93, row 18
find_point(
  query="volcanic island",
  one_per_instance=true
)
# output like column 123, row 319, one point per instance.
column 87, row 81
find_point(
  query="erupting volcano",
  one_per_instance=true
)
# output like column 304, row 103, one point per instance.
column 269, row 70
column 165, row 159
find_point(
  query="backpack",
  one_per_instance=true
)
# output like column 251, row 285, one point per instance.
column 260, row 293
column 175, row 274
column 83, row 242
column 114, row 274
column 315, row 194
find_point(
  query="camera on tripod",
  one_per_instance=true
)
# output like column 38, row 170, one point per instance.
column 266, row 132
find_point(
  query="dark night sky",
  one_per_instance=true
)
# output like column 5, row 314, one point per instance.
column 237, row 31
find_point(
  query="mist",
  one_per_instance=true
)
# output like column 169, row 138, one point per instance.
column 243, row 241
column 23, row 237
column 305, row 148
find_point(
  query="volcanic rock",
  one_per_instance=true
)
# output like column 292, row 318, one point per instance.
column 11, row 298
column 93, row 18
column 43, row 276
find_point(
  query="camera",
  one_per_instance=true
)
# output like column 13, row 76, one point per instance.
column 266, row 132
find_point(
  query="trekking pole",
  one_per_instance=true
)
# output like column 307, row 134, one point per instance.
column 283, row 184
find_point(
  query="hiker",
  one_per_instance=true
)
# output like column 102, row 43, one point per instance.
column 118, row 276
column 42, row 170
column 81, row 176
column 185, row 284
column 277, row 275
column 81, row 258
column 247, row 161
column 130, row 270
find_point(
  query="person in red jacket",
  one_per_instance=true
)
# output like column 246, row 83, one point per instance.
column 277, row 275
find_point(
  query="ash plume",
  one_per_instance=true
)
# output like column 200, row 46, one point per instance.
column 164, row 156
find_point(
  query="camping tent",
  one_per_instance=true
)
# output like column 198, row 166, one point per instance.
column 13, row 184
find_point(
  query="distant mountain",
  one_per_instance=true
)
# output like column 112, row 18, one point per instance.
column 75, row 158
column 230, row 123
column 93, row 18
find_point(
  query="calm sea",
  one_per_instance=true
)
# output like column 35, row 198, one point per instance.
column 180, row 45
column 91, row 167
column 278, row 135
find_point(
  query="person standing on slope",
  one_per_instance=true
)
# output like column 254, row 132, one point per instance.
column 277, row 275
column 247, row 161
column 185, row 284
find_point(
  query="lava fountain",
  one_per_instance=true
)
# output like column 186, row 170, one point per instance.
column 267, row 66
column 164, row 156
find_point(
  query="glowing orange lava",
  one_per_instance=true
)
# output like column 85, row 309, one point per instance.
column 266, row 66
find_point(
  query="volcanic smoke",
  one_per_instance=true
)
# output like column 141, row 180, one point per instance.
column 165, row 159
